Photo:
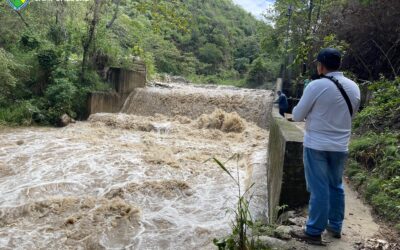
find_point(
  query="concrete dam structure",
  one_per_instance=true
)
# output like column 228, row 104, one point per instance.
column 138, row 174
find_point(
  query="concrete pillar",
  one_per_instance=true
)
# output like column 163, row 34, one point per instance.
column 278, row 86
column 125, row 81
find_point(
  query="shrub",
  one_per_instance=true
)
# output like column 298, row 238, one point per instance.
column 48, row 59
column 30, row 40
column 261, row 72
column 384, row 109
column 60, row 97
column 372, row 188
column 20, row 113
column 372, row 148
column 375, row 170
column 375, row 152
column 211, row 54
column 242, row 65
column 7, row 76
column 57, row 34
column 352, row 169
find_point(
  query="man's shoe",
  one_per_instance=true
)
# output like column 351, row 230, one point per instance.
column 310, row 239
column 337, row 235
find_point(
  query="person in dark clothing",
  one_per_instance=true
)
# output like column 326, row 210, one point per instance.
column 282, row 103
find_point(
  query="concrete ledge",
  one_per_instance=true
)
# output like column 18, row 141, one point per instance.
column 286, row 181
column 104, row 102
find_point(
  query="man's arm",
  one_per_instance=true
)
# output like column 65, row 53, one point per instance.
column 305, row 104
column 277, row 100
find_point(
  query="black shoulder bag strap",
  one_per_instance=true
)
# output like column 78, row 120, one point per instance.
column 342, row 91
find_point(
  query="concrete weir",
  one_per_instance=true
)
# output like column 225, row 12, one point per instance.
column 194, row 100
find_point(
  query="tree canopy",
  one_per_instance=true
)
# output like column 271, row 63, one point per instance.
column 58, row 48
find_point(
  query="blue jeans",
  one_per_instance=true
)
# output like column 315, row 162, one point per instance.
column 324, row 172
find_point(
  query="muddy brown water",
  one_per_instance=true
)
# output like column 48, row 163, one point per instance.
column 124, row 181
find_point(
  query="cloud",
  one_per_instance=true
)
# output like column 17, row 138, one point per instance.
column 256, row 7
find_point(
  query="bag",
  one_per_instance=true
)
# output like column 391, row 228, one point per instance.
column 342, row 91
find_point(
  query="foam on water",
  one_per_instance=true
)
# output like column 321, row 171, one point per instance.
column 194, row 100
column 121, row 181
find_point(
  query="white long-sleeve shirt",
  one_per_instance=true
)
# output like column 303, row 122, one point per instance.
column 328, row 120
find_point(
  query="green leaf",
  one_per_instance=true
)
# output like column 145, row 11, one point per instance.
column 223, row 168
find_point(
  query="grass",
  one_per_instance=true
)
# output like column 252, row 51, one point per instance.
column 374, row 166
column 374, row 169
column 19, row 113
column 243, row 223
column 214, row 79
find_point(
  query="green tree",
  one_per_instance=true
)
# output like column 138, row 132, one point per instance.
column 210, row 53
column 7, row 76
column 260, row 72
column 242, row 65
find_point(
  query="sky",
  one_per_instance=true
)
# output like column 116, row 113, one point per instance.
column 256, row 7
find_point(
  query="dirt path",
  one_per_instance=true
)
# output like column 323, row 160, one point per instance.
column 358, row 226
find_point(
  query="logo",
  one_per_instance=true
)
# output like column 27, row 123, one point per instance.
column 18, row 4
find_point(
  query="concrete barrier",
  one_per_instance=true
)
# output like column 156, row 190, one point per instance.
column 104, row 102
column 286, row 181
column 122, row 82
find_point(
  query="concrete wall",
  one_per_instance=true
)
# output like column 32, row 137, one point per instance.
column 278, row 86
column 123, row 82
column 286, row 181
column 107, row 102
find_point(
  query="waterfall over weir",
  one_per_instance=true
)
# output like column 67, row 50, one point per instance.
column 195, row 100
column 139, row 179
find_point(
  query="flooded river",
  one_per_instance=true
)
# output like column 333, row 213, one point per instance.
column 124, row 181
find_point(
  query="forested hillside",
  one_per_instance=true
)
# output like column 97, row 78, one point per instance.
column 55, row 52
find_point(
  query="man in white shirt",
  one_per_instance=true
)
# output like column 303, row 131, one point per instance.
column 328, row 114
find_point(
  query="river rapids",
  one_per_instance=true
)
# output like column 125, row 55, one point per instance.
column 126, row 181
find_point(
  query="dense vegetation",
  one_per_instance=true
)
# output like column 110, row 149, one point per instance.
column 364, row 31
column 54, row 53
column 375, row 151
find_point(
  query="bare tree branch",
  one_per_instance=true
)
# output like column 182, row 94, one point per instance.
column 111, row 22
column 22, row 18
column 394, row 45
column 91, row 35
column 358, row 58
column 387, row 58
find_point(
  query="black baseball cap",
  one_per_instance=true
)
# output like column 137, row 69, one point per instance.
column 331, row 58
